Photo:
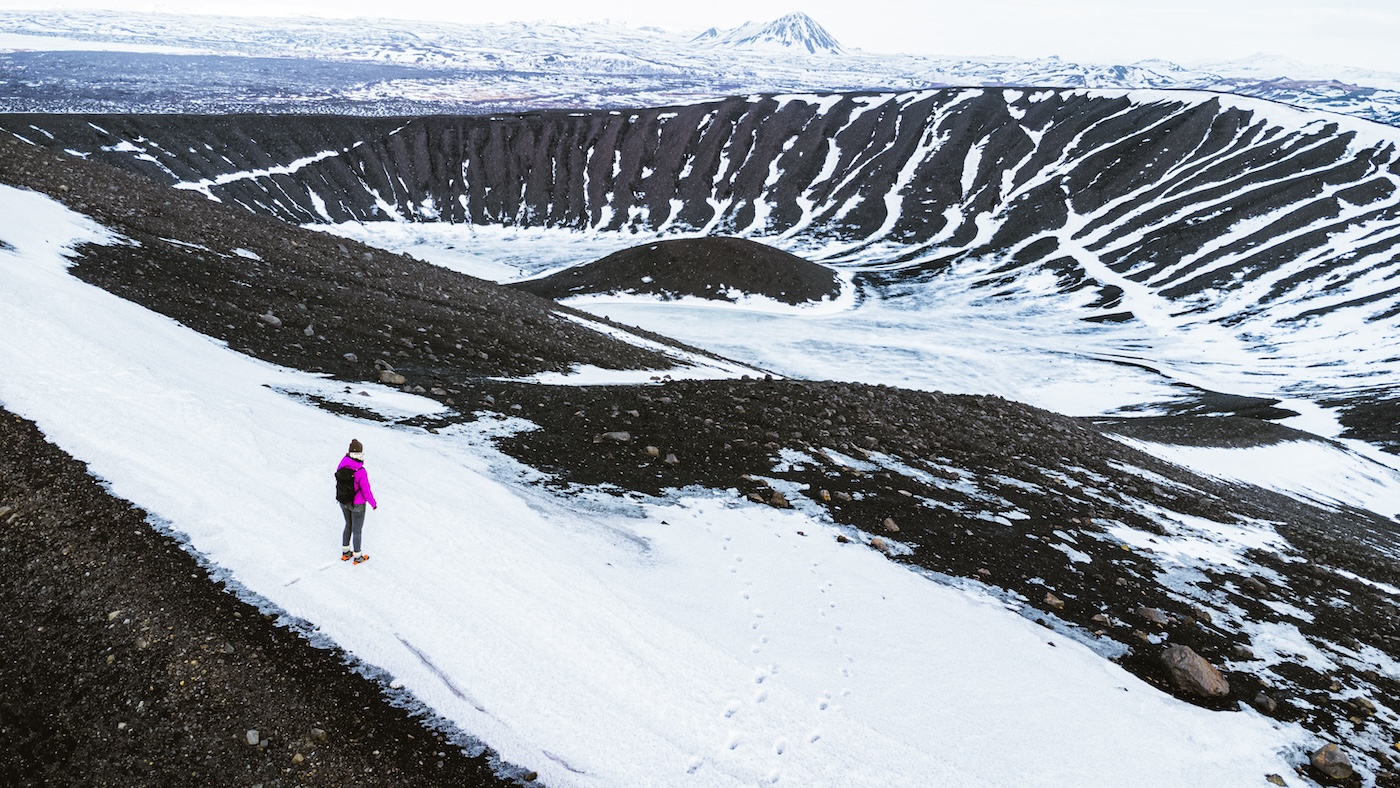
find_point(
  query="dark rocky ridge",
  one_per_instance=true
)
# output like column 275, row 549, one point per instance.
column 731, row 434
column 700, row 267
column 864, row 164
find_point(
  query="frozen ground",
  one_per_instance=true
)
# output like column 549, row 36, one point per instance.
column 947, row 335
column 943, row 338
column 601, row 641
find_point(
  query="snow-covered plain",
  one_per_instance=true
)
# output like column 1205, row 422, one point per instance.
column 944, row 337
column 522, row 66
column 694, row 640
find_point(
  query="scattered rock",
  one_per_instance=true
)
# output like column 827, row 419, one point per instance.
column 652, row 452
column 271, row 320
column 298, row 759
column 1265, row 703
column 825, row 495
column 1154, row 615
column 351, row 357
column 614, row 437
column 1193, row 674
column 880, row 544
column 318, row 735
column 1054, row 602
column 252, row 737
column 1241, row 652
column 1331, row 761
column 1100, row 619
column 1275, row 779
column 672, row 460
column 1362, row 706
column 841, row 538
column 391, row 378
column 779, row 501
column 842, row 496
column 890, row 525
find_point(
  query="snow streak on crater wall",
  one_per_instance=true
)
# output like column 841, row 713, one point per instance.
column 1183, row 193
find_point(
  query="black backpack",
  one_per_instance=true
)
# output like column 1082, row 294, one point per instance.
column 345, row 485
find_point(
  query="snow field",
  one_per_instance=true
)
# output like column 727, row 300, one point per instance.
column 600, row 641
column 1328, row 473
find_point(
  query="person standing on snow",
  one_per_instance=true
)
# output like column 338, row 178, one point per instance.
column 352, row 491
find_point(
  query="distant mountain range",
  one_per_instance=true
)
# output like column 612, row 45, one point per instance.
column 53, row 61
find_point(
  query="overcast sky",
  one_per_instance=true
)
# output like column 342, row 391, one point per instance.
column 1362, row 33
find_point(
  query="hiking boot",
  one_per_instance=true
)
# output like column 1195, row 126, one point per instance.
column 361, row 558
column 345, row 555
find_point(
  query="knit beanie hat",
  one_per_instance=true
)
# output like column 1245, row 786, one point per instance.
column 356, row 447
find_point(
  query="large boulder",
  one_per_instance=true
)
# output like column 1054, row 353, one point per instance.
column 1193, row 674
column 1331, row 761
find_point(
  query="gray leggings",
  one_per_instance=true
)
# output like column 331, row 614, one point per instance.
column 354, row 523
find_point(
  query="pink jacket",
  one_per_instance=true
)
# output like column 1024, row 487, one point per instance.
column 363, row 494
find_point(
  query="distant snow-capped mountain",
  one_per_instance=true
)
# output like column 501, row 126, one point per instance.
column 792, row 32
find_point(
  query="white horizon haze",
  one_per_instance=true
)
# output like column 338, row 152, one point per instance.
column 1342, row 33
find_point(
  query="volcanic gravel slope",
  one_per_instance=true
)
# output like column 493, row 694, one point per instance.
column 930, row 479
column 719, row 269
column 305, row 299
